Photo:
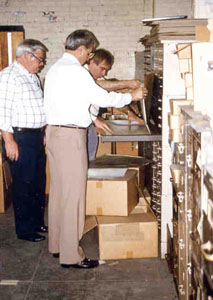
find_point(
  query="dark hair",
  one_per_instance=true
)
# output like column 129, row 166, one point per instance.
column 103, row 54
column 81, row 37
column 29, row 45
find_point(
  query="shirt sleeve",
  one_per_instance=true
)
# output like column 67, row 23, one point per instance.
column 93, row 110
column 96, row 95
column 8, row 89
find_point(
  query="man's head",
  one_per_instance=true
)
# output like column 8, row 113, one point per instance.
column 32, row 55
column 100, row 63
column 81, row 43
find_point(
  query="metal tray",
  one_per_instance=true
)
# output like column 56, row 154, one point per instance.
column 123, row 127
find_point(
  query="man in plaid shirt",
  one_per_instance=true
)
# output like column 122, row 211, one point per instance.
column 22, row 124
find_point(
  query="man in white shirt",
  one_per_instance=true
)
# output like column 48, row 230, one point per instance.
column 22, row 124
column 69, row 92
column 98, row 66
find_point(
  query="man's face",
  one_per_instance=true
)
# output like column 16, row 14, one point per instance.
column 100, row 70
column 34, row 62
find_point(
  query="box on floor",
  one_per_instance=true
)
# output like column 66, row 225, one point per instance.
column 134, row 236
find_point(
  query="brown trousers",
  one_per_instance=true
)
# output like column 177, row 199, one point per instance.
column 66, row 150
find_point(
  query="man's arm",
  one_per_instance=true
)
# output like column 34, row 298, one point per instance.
column 7, row 91
column 11, row 146
column 131, row 114
column 116, row 85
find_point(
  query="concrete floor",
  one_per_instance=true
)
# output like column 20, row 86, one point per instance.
column 29, row 272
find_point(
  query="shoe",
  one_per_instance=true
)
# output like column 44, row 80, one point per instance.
column 35, row 237
column 84, row 264
column 56, row 255
column 42, row 229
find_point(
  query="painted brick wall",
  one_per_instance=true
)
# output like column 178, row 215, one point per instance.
column 203, row 9
column 116, row 23
column 173, row 8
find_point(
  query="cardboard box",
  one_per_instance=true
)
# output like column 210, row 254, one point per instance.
column 112, row 197
column 127, row 148
column 140, row 175
column 188, row 80
column 120, row 148
column 141, row 207
column 135, row 236
column 176, row 104
column 104, row 148
column 189, row 93
column 202, row 34
column 90, row 223
column 185, row 65
column 142, row 201
column 7, row 174
column 184, row 51
column 176, row 136
column 175, row 121
column 176, row 172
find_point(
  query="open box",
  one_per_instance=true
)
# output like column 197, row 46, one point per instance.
column 134, row 236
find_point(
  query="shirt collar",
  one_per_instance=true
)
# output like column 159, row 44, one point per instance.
column 70, row 57
column 22, row 69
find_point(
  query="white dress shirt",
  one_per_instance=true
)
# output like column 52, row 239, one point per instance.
column 21, row 99
column 70, row 91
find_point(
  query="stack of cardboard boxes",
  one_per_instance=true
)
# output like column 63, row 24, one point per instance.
column 196, row 69
column 184, row 52
column 125, row 225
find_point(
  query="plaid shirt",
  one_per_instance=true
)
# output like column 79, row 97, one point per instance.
column 21, row 99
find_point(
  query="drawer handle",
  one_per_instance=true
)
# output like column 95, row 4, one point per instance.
column 207, row 251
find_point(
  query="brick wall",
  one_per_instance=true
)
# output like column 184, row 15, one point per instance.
column 164, row 8
column 203, row 9
column 116, row 23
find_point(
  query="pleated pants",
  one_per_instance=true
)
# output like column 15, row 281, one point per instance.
column 67, row 154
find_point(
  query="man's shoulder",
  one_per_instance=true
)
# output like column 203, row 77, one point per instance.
column 10, row 71
column 66, row 68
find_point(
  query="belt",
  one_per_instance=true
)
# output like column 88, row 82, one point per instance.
column 70, row 126
column 23, row 129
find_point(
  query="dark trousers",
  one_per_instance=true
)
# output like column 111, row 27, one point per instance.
column 29, row 181
column 92, row 142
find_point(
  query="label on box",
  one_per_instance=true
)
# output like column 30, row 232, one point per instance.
column 99, row 185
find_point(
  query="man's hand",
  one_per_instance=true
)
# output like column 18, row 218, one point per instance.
column 133, row 117
column 11, row 146
column 102, row 125
column 139, row 94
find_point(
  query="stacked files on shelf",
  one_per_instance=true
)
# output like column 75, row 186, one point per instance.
column 177, row 29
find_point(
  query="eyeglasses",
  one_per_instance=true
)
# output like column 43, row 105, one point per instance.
column 41, row 60
column 91, row 55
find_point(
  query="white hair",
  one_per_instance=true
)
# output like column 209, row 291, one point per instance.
column 29, row 45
